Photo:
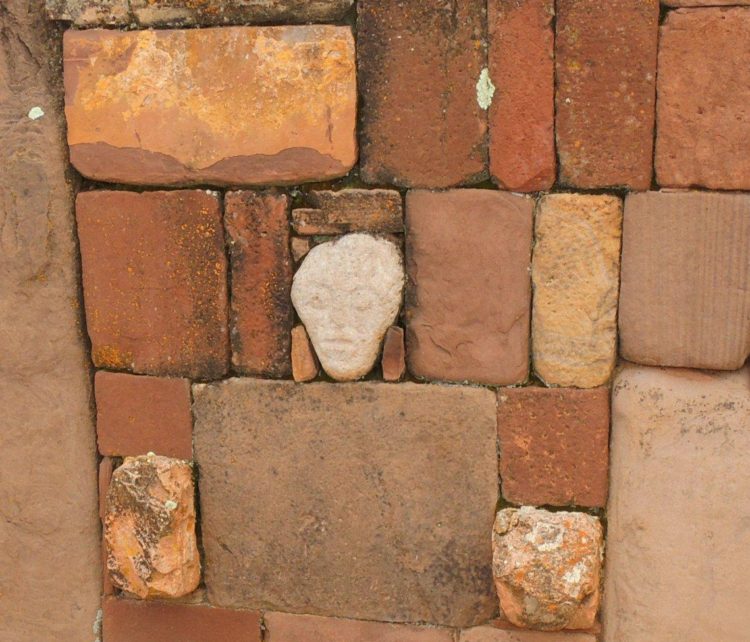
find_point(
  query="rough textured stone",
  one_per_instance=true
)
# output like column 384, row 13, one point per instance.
column 605, row 58
column 382, row 514
column 154, row 281
column 283, row 627
column 134, row 621
column 576, row 275
column 495, row 634
column 49, row 531
column 257, row 225
column 419, row 64
column 703, row 123
column 136, row 415
column 350, row 210
column 304, row 362
column 685, row 295
column 703, row 3
column 393, row 361
column 231, row 97
column 554, row 445
column 522, row 116
column 347, row 292
column 146, row 13
column 678, row 514
column 300, row 248
column 547, row 567
column 468, row 295
column 149, row 527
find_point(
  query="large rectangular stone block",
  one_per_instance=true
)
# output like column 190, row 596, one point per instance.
column 367, row 501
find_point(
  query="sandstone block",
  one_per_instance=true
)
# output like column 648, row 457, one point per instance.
column 495, row 634
column 137, row 415
column 230, row 96
column 547, row 567
column 135, row 621
column 348, row 292
column 554, row 445
column 685, row 295
column 257, row 224
column 149, row 528
column 350, row 210
column 154, row 281
column 379, row 511
column 677, row 531
column 703, row 3
column 468, row 295
column 605, row 58
column 418, row 67
column 576, row 275
column 702, row 120
column 304, row 362
column 393, row 361
column 522, row 115
column 300, row 248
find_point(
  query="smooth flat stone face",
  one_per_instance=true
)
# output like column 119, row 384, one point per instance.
column 211, row 105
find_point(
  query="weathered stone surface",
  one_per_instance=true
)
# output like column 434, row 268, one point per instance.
column 685, row 295
column 495, row 634
column 605, row 58
column 678, row 514
column 547, row 567
column 137, row 415
column 554, row 445
column 468, row 296
column 149, row 527
column 146, row 13
column 257, row 224
column 522, row 115
column 135, row 621
column 49, row 531
column 347, row 292
column 304, row 362
column 300, row 248
column 703, row 3
column 419, row 64
column 350, row 210
column 703, row 125
column 393, row 361
column 154, row 281
column 283, row 627
column 231, row 97
column 576, row 275
column 381, row 511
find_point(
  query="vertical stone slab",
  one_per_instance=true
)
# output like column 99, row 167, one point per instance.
column 419, row 62
column 605, row 57
column 678, row 542
column 50, row 575
column 522, row 115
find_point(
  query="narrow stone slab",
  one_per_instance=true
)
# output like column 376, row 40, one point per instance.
column 350, row 210
column 230, row 97
column 367, row 501
column 678, row 514
column 502, row 634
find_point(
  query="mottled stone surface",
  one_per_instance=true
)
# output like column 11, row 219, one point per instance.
column 384, row 513
column 350, row 210
column 347, row 293
column 703, row 121
column 685, row 294
column 605, row 59
column 469, row 295
column 418, row 66
column 703, row 3
column 576, row 276
column 554, row 445
column 257, row 225
column 393, row 360
column 678, row 514
column 496, row 634
column 547, row 567
column 522, row 115
column 50, row 575
column 149, row 527
column 304, row 362
column 230, row 96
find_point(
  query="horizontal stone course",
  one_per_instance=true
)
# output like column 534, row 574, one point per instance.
column 503, row 634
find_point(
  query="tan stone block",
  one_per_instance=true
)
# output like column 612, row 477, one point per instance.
column 576, row 271
column 497, row 634
column 393, row 361
column 304, row 362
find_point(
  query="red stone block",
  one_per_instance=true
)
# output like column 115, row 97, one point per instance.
column 393, row 361
column 155, row 281
column 258, row 228
column 137, row 415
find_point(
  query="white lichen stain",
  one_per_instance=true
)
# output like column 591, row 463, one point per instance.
column 485, row 89
column 35, row 113
column 97, row 627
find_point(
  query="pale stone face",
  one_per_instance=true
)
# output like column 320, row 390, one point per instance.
column 347, row 293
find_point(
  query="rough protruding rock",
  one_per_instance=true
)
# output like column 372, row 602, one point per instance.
column 347, row 292
column 304, row 361
column 230, row 96
column 576, row 275
column 149, row 527
column 547, row 567
column 393, row 360
column 350, row 210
